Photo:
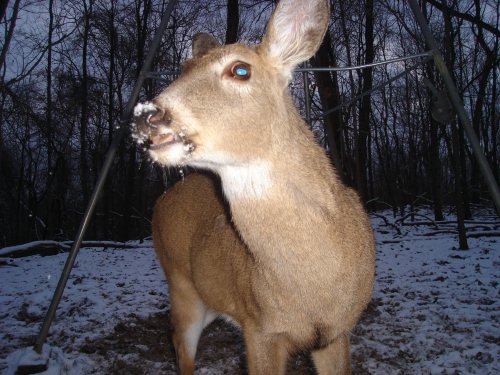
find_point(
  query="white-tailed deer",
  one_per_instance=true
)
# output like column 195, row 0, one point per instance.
column 292, row 263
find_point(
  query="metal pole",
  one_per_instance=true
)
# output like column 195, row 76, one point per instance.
column 457, row 104
column 102, row 178
column 307, row 97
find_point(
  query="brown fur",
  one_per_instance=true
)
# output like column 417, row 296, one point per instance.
column 293, row 261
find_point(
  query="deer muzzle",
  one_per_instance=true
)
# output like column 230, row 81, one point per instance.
column 150, row 126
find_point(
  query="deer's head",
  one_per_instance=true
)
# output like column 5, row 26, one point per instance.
column 229, row 102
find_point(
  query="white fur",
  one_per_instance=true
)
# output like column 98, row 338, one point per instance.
column 174, row 154
column 191, row 337
column 193, row 333
column 250, row 181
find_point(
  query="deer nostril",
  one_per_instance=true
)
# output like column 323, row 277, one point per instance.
column 160, row 117
column 144, row 119
column 149, row 119
column 143, row 112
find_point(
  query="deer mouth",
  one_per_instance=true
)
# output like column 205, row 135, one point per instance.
column 161, row 141
column 167, row 147
column 176, row 145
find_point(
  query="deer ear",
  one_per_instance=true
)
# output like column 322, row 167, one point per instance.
column 202, row 43
column 295, row 32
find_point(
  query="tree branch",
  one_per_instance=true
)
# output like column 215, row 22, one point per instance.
column 465, row 16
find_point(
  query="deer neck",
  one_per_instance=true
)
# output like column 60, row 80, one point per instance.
column 274, row 202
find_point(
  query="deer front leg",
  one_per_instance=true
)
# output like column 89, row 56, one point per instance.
column 334, row 359
column 189, row 316
column 266, row 354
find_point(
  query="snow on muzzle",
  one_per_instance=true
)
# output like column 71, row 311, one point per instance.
column 150, row 126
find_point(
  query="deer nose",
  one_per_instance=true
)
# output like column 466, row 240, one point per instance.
column 158, row 117
column 148, row 117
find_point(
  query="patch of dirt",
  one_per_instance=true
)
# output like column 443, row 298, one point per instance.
column 27, row 316
column 141, row 346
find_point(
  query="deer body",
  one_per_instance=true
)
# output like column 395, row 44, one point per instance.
column 291, row 258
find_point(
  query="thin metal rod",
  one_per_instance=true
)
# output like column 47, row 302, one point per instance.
column 378, row 87
column 357, row 67
column 102, row 178
column 306, row 69
column 457, row 103
column 307, row 96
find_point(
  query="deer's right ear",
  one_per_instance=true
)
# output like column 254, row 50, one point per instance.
column 202, row 43
column 295, row 32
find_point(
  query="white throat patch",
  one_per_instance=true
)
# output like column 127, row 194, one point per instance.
column 250, row 181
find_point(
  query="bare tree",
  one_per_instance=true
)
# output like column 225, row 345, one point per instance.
column 10, row 30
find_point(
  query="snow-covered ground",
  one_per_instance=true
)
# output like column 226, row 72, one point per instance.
column 435, row 309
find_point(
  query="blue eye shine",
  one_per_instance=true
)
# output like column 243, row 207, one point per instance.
column 241, row 71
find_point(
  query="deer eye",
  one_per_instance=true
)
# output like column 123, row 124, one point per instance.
column 241, row 71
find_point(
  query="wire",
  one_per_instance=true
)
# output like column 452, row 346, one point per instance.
column 340, row 69
column 357, row 97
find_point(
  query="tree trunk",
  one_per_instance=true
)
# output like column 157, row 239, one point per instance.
column 10, row 31
column 3, row 8
column 495, row 128
column 478, row 111
column 51, row 198
column 434, row 158
column 362, row 146
column 84, row 97
column 233, row 21
column 435, row 169
column 457, row 151
column 351, row 114
column 329, row 94
column 459, row 198
column 108, row 200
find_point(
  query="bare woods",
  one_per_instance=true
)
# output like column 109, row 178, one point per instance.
column 67, row 67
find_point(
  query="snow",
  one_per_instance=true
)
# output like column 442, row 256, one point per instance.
column 141, row 108
column 435, row 309
column 29, row 357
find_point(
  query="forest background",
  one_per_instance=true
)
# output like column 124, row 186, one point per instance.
column 67, row 69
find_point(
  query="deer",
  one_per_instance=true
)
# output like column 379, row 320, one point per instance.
column 276, row 243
